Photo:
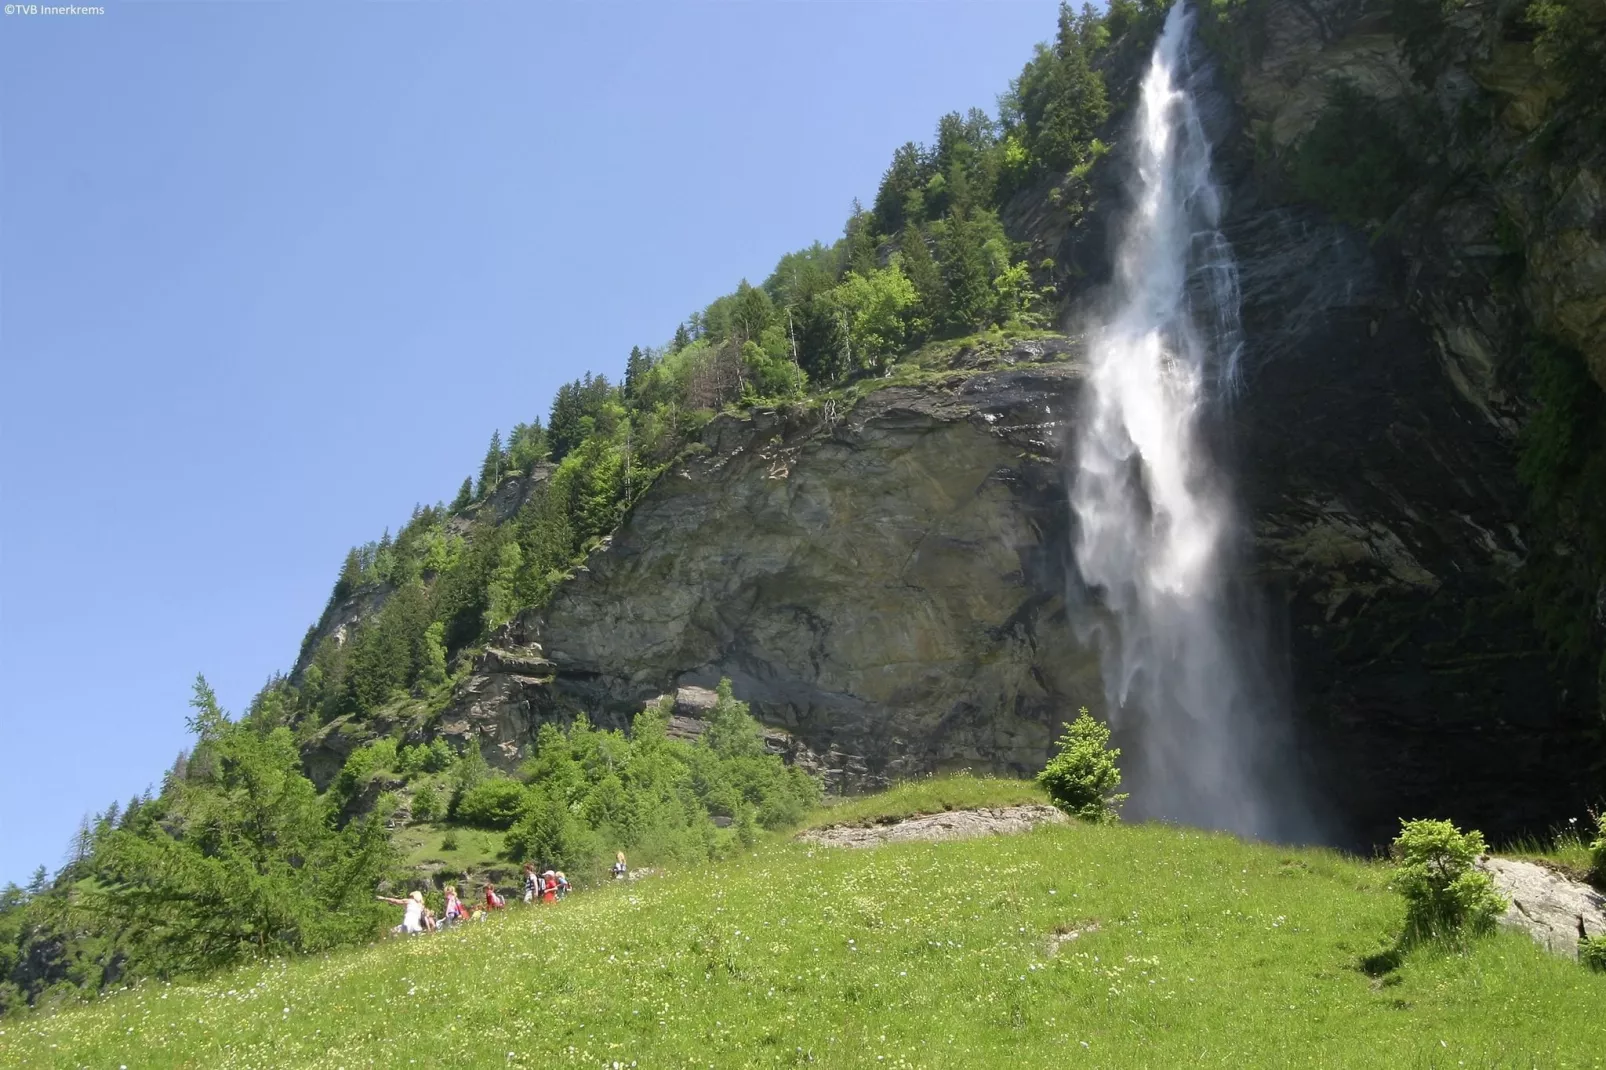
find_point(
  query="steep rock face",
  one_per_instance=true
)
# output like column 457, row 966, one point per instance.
column 1378, row 440
column 886, row 584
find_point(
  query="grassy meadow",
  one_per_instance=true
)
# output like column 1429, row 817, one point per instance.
column 1190, row 948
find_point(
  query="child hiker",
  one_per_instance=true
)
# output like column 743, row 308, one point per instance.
column 413, row 915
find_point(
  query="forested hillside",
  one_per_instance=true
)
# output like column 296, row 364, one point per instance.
column 271, row 834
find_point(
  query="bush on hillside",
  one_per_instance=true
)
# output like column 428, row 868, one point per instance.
column 549, row 834
column 1592, row 952
column 1081, row 779
column 1445, row 893
column 493, row 803
column 427, row 803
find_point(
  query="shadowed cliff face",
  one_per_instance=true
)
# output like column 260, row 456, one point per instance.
column 887, row 585
column 890, row 584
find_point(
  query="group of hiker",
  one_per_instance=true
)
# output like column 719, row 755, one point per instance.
column 546, row 887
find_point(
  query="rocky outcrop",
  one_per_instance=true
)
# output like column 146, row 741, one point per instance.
column 501, row 702
column 886, row 584
column 953, row 825
column 1545, row 905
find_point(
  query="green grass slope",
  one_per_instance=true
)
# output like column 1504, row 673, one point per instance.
column 1194, row 949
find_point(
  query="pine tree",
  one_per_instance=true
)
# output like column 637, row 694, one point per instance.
column 350, row 577
column 860, row 239
column 563, row 427
column 966, row 276
column 682, row 338
column 384, row 558
column 924, row 274
column 491, row 467
column 465, row 495
column 636, row 371
column 751, row 312
column 900, row 189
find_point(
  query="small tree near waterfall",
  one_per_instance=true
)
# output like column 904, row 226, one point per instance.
column 1445, row 893
column 1081, row 779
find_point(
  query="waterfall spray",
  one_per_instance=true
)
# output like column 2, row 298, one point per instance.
column 1154, row 521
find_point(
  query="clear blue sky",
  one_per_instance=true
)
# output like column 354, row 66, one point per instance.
column 272, row 273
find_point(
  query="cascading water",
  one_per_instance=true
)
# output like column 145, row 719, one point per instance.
column 1154, row 519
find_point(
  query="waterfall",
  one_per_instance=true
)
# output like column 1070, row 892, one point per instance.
column 1155, row 526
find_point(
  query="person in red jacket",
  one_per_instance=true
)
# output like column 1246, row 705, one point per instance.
column 549, row 887
column 492, row 900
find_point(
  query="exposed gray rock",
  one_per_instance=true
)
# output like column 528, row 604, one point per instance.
column 693, row 706
column 952, row 825
column 1546, row 905
column 887, row 587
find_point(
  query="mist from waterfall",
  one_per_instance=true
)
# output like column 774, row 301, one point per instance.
column 1200, row 726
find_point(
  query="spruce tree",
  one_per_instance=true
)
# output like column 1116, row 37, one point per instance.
column 465, row 495
column 923, row 273
column 966, row 276
column 860, row 240
column 350, row 577
column 563, row 427
column 491, row 467
column 902, row 180
column 636, row 370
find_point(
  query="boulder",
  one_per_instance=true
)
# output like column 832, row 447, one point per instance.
column 1546, row 905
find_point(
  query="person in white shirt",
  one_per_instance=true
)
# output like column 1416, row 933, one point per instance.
column 413, row 916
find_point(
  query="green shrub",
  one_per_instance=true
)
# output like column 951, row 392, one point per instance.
column 1445, row 893
column 1081, row 779
column 433, row 757
column 427, row 804
column 548, row 833
column 493, row 803
column 361, row 765
column 1592, row 952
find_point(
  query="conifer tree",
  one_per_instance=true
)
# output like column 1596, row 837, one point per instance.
column 465, row 495
column 491, row 467
column 899, row 185
column 860, row 238
column 923, row 273
column 636, row 370
column 966, row 276
column 563, row 427
column 350, row 577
